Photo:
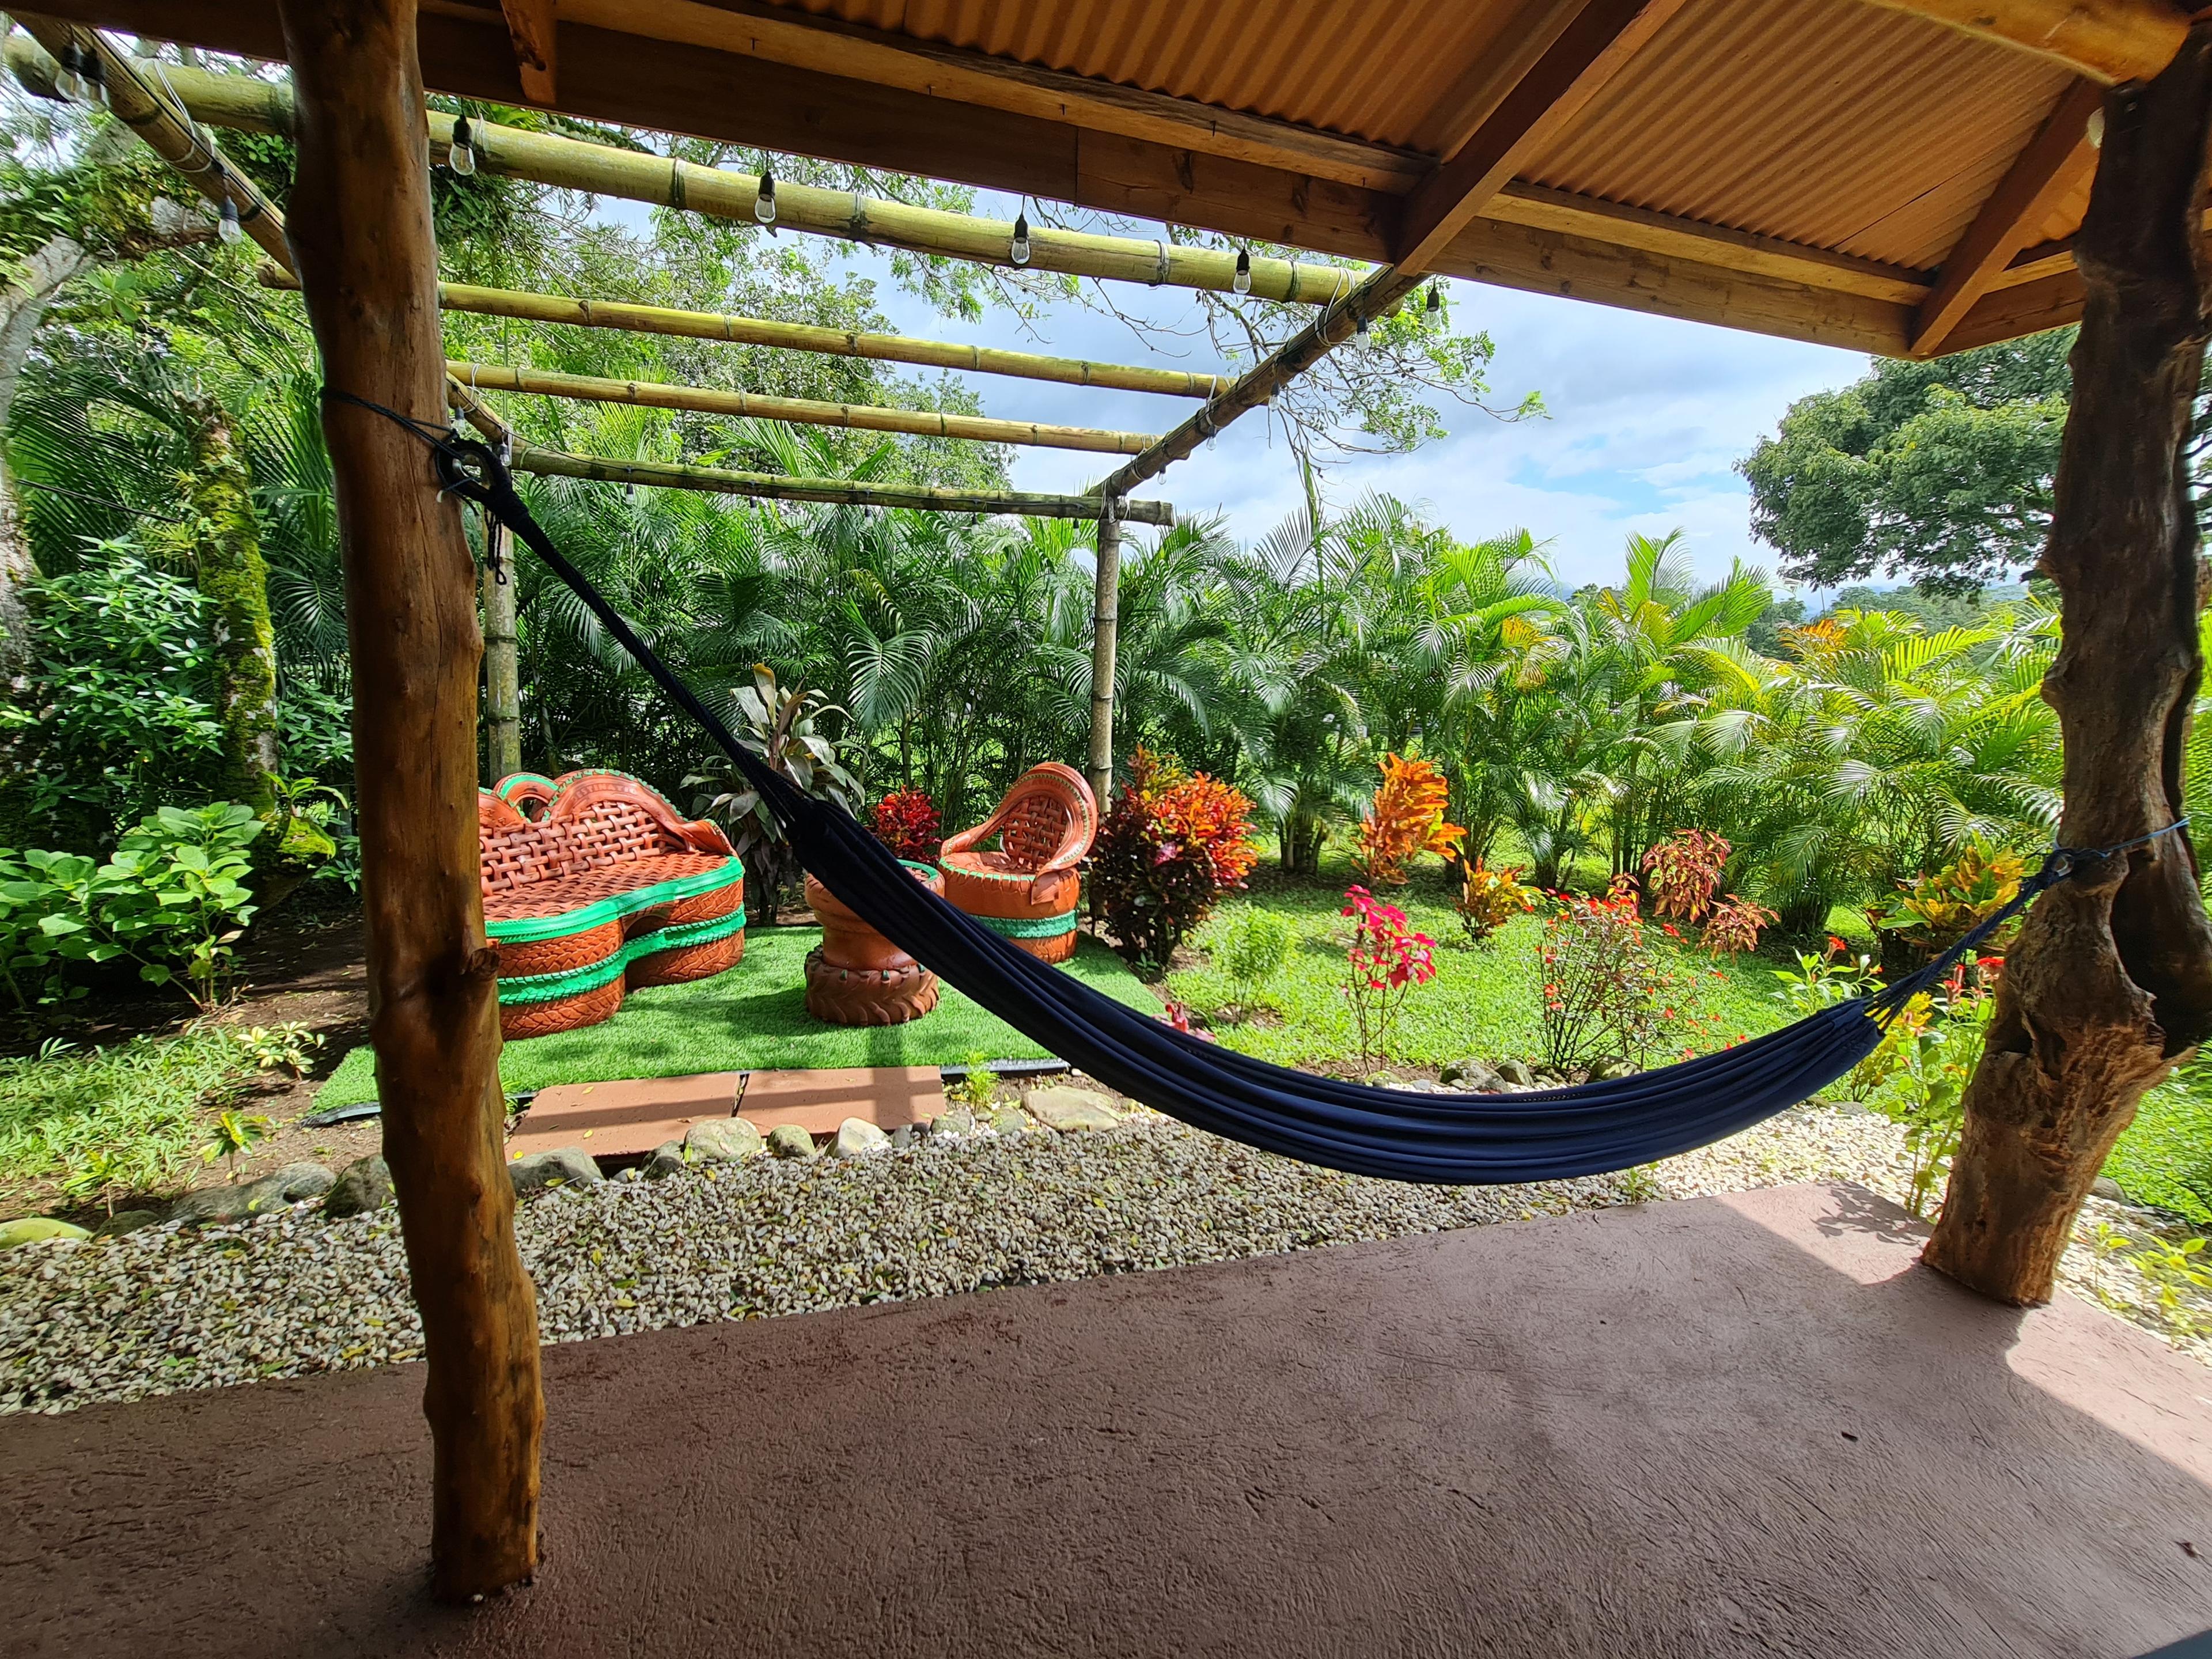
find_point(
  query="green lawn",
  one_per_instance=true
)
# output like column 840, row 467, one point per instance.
column 1483, row 1002
column 754, row 1017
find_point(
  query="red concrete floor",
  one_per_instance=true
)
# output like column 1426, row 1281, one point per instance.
column 1723, row 1427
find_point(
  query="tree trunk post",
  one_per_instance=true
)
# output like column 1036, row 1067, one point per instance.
column 2111, row 979
column 1105, row 624
column 503, row 672
column 359, row 227
column 230, row 573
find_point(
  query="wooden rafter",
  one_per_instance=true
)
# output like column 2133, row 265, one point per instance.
column 2054, row 163
column 2110, row 40
column 803, row 411
column 530, row 25
column 807, row 336
column 1586, row 51
column 721, row 481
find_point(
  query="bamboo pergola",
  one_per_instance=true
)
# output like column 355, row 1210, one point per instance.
column 1906, row 177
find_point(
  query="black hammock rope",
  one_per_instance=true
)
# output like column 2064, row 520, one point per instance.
column 1542, row 1135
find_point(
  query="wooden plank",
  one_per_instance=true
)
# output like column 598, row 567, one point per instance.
column 2007, row 313
column 531, row 26
column 803, row 411
column 2110, row 41
column 2049, row 168
column 1593, row 48
column 843, row 492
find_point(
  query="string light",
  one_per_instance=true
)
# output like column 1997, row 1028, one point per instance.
column 1435, row 305
column 461, row 156
column 1242, row 283
column 1362, row 335
column 764, row 204
column 70, row 79
column 1019, row 249
column 228, row 227
column 630, row 489
column 93, row 76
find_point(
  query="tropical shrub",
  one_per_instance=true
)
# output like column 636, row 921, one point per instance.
column 1733, row 925
column 1937, row 911
column 1384, row 962
column 785, row 726
column 1172, row 845
column 1406, row 818
column 906, row 821
column 1926, row 1093
column 1683, row 871
column 1253, row 946
column 1488, row 899
column 173, row 899
column 1604, row 989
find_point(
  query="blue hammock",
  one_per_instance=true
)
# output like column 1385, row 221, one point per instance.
column 1540, row 1135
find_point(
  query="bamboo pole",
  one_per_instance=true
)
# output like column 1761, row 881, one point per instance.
column 1105, row 631
column 361, row 230
column 805, row 411
column 809, row 337
column 240, row 101
column 668, row 474
column 503, row 676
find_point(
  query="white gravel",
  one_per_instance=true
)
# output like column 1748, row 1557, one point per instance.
column 168, row 1308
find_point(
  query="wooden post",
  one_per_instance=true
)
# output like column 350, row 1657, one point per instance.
column 359, row 227
column 503, row 676
column 1105, row 628
column 2111, row 979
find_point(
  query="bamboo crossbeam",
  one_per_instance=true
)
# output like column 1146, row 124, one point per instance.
column 668, row 475
column 806, row 411
column 809, row 337
column 253, row 105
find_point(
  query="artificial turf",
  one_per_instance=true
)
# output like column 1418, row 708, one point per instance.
column 754, row 1017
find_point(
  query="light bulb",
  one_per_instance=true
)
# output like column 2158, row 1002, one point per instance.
column 461, row 156
column 228, row 227
column 1436, row 300
column 630, row 489
column 69, row 81
column 1243, row 282
column 2095, row 133
column 95, row 78
column 1362, row 335
column 1019, row 249
column 764, row 204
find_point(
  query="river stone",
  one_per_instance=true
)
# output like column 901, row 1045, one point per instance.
column 2105, row 1186
column 126, row 1221
column 667, row 1159
column 1516, row 1072
column 1469, row 1074
column 1010, row 1121
column 903, row 1137
column 1071, row 1109
column 1605, row 1070
column 856, row 1138
column 789, row 1141
column 363, row 1186
column 954, row 1120
column 722, row 1140
column 564, row 1166
column 233, row 1201
column 36, row 1229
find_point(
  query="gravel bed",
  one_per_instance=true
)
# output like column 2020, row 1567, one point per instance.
column 171, row 1308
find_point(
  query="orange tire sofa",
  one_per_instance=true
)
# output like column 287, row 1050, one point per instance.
column 594, row 886
column 1027, row 888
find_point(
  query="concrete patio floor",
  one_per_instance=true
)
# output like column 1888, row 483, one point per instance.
column 1748, row 1425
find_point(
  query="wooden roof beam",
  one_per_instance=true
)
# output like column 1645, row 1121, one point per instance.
column 2111, row 41
column 530, row 26
column 802, row 411
column 835, row 492
column 1586, row 50
column 2054, row 163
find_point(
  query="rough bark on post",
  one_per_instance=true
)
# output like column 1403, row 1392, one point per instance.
column 23, row 304
column 359, row 227
column 1105, row 624
column 503, row 676
column 228, row 570
column 2111, row 979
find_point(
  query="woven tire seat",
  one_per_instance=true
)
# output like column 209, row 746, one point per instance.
column 1028, row 887
column 602, row 890
column 856, row 976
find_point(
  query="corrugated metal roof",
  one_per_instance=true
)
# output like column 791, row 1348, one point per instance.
column 1830, row 123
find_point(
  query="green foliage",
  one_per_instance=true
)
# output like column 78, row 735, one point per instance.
column 233, row 1135
column 1171, row 846
column 1489, row 898
column 1939, row 469
column 122, row 1119
column 1603, row 987
column 1254, row 943
column 1940, row 908
column 785, row 726
column 978, row 1087
column 173, row 899
column 2164, row 1157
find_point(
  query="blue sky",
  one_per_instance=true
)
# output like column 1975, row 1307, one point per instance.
column 1647, row 417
